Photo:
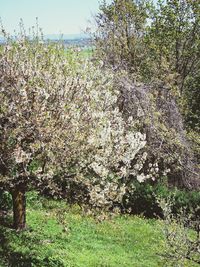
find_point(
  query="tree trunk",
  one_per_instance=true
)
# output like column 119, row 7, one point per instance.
column 19, row 208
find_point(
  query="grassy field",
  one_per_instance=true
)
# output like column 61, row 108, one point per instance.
column 85, row 53
column 60, row 235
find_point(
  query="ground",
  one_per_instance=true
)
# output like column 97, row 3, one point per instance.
column 61, row 235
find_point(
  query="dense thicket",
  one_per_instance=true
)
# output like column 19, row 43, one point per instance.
column 159, row 45
column 151, row 41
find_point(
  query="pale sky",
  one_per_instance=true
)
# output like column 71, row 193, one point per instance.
column 55, row 16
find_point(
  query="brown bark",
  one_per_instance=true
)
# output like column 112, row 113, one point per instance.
column 19, row 208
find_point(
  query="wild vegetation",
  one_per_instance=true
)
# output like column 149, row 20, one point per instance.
column 157, row 45
column 113, row 133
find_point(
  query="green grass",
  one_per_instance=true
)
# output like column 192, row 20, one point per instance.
column 85, row 53
column 59, row 235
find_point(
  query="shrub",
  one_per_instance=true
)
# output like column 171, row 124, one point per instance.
column 182, row 232
column 5, row 200
column 58, row 117
column 143, row 200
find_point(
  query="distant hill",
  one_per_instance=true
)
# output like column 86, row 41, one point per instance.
column 80, row 40
column 67, row 36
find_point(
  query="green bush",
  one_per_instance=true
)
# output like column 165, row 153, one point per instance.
column 5, row 200
column 144, row 199
column 187, row 200
column 181, row 234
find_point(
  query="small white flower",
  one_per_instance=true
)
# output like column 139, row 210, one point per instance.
column 141, row 178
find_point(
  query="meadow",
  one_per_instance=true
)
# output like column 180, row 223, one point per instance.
column 61, row 235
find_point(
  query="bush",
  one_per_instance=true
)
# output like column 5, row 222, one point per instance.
column 5, row 200
column 144, row 199
column 63, row 119
column 182, row 235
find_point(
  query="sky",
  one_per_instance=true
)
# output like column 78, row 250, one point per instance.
column 54, row 16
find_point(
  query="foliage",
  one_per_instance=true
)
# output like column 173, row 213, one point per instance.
column 191, row 102
column 120, row 33
column 174, row 42
column 194, row 138
column 5, row 200
column 59, row 112
column 182, row 234
column 156, row 113
column 174, row 38
column 59, row 117
column 153, row 41
column 143, row 200
column 158, row 44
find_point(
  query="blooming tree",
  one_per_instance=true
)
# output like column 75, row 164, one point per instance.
column 57, row 113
